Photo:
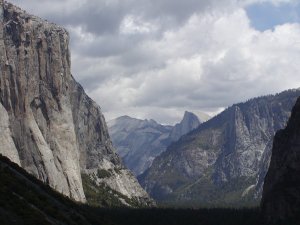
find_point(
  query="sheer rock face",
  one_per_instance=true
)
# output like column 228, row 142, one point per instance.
column 281, row 192
column 49, row 125
column 222, row 162
column 189, row 122
column 139, row 142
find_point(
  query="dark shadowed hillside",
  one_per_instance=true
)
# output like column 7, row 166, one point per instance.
column 281, row 194
column 24, row 200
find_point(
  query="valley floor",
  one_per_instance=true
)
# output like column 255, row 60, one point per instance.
column 26, row 200
column 182, row 217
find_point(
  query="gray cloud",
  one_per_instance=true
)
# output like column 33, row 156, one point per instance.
column 158, row 58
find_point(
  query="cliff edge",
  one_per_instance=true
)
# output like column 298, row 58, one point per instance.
column 48, row 125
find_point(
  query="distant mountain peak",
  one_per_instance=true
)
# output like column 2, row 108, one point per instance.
column 189, row 122
column 140, row 141
column 223, row 162
column 188, row 114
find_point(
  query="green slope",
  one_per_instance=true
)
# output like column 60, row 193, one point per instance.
column 26, row 200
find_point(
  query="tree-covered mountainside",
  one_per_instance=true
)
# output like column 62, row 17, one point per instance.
column 224, row 161
column 281, row 192
column 24, row 200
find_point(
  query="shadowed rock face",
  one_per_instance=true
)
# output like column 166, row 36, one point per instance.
column 281, row 192
column 139, row 141
column 49, row 125
column 224, row 161
column 189, row 122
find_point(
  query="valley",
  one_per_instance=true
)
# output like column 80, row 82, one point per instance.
column 223, row 162
column 62, row 163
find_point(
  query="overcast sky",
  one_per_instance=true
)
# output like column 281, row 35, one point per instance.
column 157, row 58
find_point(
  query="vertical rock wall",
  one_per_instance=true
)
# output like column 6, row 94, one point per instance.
column 48, row 125
column 35, row 73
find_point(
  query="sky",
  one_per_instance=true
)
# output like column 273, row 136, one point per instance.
column 156, row 59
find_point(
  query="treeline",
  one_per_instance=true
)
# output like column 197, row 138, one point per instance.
column 26, row 200
column 179, row 216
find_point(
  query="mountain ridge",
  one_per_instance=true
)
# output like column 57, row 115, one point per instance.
column 218, row 163
column 140, row 141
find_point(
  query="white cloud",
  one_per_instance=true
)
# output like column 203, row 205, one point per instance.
column 158, row 60
column 212, row 61
column 132, row 24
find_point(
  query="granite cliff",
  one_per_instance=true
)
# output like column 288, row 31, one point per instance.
column 281, row 192
column 139, row 142
column 48, row 125
column 223, row 162
column 188, row 123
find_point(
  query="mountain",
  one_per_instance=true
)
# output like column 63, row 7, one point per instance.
column 48, row 125
column 138, row 142
column 189, row 122
column 26, row 200
column 220, row 162
column 281, row 192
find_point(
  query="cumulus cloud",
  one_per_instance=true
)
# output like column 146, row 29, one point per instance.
column 156, row 59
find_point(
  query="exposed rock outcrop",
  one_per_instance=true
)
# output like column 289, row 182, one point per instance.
column 189, row 122
column 49, row 125
column 219, row 163
column 139, row 141
column 281, row 192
